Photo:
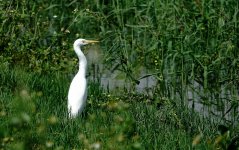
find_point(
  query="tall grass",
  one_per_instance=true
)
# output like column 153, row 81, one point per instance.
column 33, row 115
column 191, row 48
column 182, row 44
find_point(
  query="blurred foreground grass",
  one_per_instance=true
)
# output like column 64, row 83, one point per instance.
column 33, row 115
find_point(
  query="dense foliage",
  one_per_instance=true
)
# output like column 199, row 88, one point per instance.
column 187, row 46
column 179, row 42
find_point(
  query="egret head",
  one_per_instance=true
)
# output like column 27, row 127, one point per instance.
column 82, row 42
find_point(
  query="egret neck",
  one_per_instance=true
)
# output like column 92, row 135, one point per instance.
column 82, row 60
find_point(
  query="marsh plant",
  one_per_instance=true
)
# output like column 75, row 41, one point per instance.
column 189, row 47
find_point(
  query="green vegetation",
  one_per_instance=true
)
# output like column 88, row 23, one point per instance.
column 34, row 116
column 189, row 47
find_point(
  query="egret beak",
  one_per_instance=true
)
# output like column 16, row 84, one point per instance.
column 91, row 41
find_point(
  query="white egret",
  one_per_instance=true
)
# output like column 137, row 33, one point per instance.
column 78, row 89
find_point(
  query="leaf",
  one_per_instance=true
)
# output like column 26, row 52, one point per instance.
column 221, row 22
column 52, row 6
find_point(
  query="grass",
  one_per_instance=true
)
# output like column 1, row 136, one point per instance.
column 177, row 42
column 34, row 116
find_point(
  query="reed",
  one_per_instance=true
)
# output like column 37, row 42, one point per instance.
column 191, row 48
